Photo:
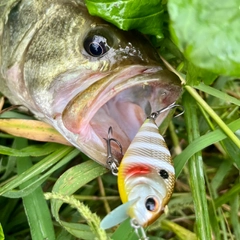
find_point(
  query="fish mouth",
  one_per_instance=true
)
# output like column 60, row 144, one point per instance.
column 121, row 100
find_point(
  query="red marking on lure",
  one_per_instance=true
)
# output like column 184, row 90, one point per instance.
column 137, row 170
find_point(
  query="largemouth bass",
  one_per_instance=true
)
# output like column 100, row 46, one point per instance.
column 81, row 74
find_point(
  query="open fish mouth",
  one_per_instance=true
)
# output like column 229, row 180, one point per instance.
column 121, row 100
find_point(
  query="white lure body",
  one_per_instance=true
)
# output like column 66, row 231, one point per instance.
column 146, row 178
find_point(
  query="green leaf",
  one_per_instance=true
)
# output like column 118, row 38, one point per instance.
column 180, row 231
column 35, row 205
column 41, row 179
column 63, row 235
column 196, row 171
column 38, row 168
column 228, row 196
column 201, row 143
column 1, row 233
column 144, row 16
column 70, row 181
column 81, row 231
column 195, row 75
column 217, row 93
column 205, row 31
column 125, row 232
column 233, row 151
column 92, row 219
column 34, row 151
column 234, row 217
column 73, row 179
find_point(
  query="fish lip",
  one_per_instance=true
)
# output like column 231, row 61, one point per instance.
column 85, row 137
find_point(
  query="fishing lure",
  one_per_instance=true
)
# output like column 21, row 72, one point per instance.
column 146, row 177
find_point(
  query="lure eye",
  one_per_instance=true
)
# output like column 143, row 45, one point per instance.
column 151, row 204
column 164, row 174
column 96, row 45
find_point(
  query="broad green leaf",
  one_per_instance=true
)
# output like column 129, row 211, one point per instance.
column 205, row 31
column 144, row 16
column 195, row 75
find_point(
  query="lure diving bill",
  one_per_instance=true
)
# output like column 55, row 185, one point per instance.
column 146, row 177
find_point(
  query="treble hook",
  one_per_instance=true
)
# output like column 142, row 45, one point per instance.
column 111, row 160
column 154, row 115
column 138, row 230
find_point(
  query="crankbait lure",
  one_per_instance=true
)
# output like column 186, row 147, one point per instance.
column 146, row 177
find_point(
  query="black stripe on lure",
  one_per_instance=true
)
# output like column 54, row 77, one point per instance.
column 146, row 177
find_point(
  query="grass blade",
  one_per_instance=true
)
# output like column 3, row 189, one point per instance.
column 124, row 232
column 181, row 232
column 1, row 233
column 37, row 182
column 234, row 203
column 38, row 168
column 218, row 94
column 92, row 219
column 201, row 143
column 226, row 197
column 216, row 118
column 34, row 150
column 70, row 181
column 35, row 205
column 197, row 181
column 89, row 170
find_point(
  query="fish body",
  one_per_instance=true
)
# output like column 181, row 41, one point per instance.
column 79, row 73
column 146, row 178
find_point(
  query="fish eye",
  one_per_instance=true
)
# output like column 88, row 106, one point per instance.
column 96, row 45
column 164, row 174
column 151, row 204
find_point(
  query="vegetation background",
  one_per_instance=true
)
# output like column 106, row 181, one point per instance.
column 200, row 41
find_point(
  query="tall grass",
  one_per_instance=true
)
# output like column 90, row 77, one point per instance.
column 205, row 202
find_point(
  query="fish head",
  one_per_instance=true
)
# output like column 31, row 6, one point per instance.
column 151, row 193
column 123, row 85
column 83, row 75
